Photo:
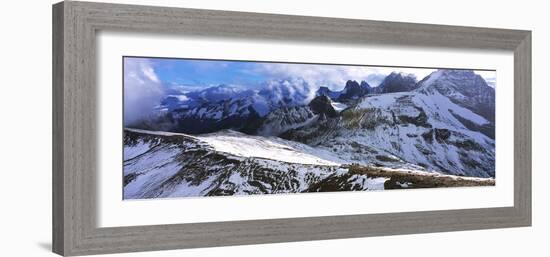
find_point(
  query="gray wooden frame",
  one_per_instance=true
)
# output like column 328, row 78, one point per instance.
column 75, row 25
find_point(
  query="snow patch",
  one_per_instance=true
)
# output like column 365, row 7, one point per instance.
column 338, row 106
column 273, row 148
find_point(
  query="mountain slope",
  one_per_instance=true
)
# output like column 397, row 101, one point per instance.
column 161, row 164
column 282, row 120
column 423, row 128
column 464, row 88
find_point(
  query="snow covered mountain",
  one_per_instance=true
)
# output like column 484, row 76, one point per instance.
column 161, row 164
column 423, row 127
column 233, row 107
column 226, row 107
column 294, row 138
column 464, row 88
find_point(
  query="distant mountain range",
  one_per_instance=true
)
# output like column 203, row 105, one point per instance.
column 394, row 82
column 444, row 123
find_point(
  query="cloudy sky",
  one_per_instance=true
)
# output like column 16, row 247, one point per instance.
column 205, row 73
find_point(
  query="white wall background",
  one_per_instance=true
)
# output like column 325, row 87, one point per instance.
column 25, row 128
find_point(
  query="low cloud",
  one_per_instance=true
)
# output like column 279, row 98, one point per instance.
column 142, row 89
column 334, row 76
column 331, row 76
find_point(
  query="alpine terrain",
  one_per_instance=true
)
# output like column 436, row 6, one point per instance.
column 288, row 136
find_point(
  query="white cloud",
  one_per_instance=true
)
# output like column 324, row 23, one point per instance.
column 334, row 76
column 142, row 89
column 148, row 71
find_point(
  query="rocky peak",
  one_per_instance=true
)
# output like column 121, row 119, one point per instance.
column 323, row 91
column 398, row 82
column 365, row 85
column 354, row 90
column 322, row 105
column 465, row 88
column 327, row 92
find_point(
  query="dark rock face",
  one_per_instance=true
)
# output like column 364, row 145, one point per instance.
column 428, row 136
column 366, row 86
column 397, row 82
column 420, row 120
column 323, row 105
column 354, row 91
column 441, row 135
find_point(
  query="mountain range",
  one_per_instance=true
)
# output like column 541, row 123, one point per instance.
column 288, row 136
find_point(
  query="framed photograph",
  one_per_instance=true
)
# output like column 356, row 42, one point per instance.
column 183, row 128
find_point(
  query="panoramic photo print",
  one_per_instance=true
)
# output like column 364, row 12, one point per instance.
column 196, row 127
